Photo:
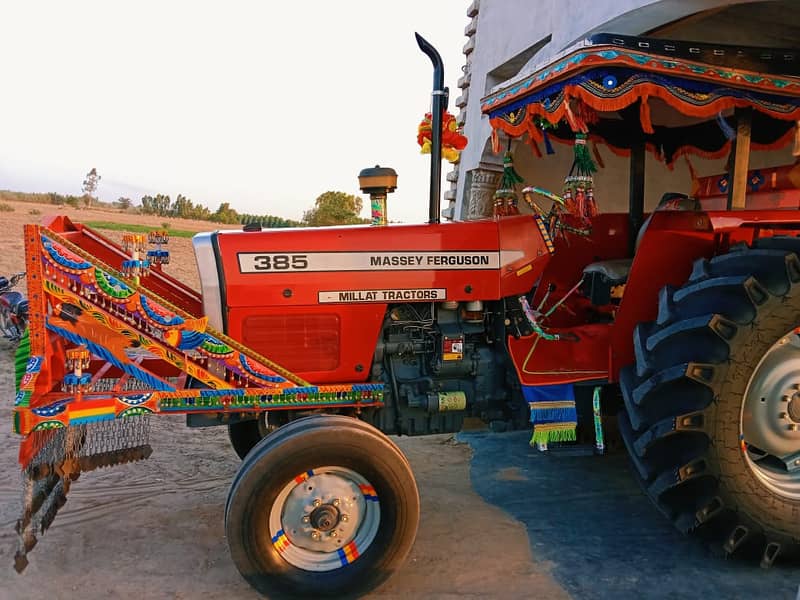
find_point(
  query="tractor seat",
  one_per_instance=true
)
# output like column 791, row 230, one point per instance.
column 599, row 277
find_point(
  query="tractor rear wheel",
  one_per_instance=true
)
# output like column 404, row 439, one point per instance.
column 712, row 404
column 324, row 506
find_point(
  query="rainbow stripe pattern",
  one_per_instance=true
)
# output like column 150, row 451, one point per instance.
column 280, row 541
column 368, row 491
column 348, row 554
column 303, row 476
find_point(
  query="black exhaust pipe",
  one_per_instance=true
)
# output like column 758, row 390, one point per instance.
column 438, row 107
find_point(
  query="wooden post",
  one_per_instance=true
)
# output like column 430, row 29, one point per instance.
column 636, row 192
column 737, row 184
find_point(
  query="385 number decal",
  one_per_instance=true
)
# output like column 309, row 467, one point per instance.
column 279, row 262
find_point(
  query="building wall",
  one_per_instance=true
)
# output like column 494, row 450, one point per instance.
column 507, row 39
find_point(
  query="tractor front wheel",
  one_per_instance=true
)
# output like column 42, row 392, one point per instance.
column 324, row 506
column 712, row 404
column 244, row 435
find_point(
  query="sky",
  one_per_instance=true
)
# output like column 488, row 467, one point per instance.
column 265, row 105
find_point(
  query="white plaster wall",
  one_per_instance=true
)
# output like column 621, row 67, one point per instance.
column 505, row 28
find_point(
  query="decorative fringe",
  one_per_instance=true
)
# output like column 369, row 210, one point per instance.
column 495, row 141
column 727, row 130
column 548, row 146
column 553, row 432
column 599, row 442
column 693, row 175
column 553, row 412
column 535, row 147
column 23, row 353
column 644, row 116
column 584, row 165
column 510, row 176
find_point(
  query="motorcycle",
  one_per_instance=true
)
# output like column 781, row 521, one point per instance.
column 13, row 308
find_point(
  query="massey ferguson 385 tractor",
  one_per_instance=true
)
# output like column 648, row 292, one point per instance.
column 312, row 345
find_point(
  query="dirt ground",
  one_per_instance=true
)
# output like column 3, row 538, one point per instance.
column 154, row 529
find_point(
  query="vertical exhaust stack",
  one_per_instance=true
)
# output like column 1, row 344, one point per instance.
column 438, row 106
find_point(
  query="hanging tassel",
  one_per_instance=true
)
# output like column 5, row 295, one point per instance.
column 495, row 141
column 727, row 130
column 584, row 166
column 548, row 146
column 598, row 159
column 796, row 149
column 535, row 147
column 693, row 175
column 510, row 176
column 644, row 115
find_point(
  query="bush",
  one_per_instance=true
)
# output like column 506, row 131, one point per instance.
column 34, row 211
column 5, row 207
column 165, row 225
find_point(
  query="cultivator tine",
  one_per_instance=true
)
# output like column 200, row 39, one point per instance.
column 62, row 456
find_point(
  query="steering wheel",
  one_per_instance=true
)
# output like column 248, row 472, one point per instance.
column 552, row 218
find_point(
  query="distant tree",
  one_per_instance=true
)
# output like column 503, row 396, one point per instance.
column 124, row 203
column 159, row 204
column 89, row 186
column 182, row 207
column 334, row 208
column 225, row 214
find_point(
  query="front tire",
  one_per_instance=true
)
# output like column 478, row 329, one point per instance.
column 324, row 506
column 707, row 419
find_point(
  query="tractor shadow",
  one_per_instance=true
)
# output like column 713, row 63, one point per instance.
column 587, row 517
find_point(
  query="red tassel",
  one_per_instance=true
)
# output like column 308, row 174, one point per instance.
column 535, row 147
column 580, row 203
column 495, row 141
column 644, row 115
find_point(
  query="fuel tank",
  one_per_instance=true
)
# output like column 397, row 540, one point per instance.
column 314, row 299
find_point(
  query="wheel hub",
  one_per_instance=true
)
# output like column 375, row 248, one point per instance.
column 322, row 512
column 794, row 408
column 325, row 517
column 770, row 418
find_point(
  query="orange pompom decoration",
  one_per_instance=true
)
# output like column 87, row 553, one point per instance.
column 453, row 141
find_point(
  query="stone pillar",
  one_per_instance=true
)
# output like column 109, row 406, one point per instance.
column 479, row 189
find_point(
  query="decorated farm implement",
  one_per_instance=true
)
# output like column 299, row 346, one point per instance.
column 310, row 346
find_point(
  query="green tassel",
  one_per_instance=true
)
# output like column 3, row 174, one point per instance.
column 21, row 357
column 510, row 176
column 584, row 165
column 544, row 436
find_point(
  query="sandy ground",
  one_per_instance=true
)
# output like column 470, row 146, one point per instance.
column 154, row 529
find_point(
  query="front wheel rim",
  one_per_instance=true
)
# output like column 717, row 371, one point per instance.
column 324, row 518
column 769, row 424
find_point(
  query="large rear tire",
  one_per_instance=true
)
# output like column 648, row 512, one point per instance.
column 712, row 404
column 324, row 506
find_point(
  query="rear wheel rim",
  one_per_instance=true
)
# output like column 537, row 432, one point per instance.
column 769, row 423
column 324, row 518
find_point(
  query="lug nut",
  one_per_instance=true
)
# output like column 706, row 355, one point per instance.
column 345, row 518
column 333, row 534
column 317, row 502
column 306, row 519
column 336, row 502
column 793, row 427
column 315, row 535
column 782, row 415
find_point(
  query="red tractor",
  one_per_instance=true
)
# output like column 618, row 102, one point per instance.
column 685, row 322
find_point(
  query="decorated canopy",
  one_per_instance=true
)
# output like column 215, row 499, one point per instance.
column 592, row 87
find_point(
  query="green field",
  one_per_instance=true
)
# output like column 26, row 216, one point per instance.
column 134, row 228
